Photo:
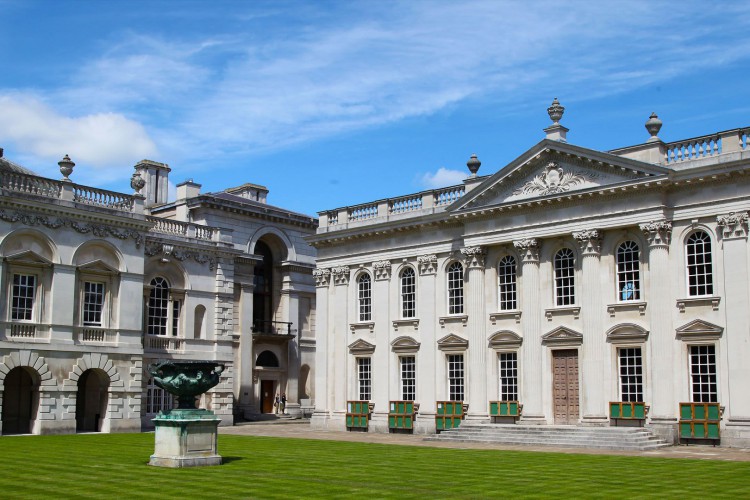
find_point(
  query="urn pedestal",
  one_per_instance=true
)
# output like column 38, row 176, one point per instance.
column 186, row 438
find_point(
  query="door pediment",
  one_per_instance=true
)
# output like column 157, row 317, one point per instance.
column 562, row 336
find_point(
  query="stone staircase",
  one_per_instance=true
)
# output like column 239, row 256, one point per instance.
column 608, row 438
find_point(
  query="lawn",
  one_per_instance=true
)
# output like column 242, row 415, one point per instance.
column 114, row 466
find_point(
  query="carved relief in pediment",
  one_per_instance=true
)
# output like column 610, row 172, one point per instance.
column 359, row 347
column 505, row 339
column 452, row 342
column 699, row 330
column 562, row 336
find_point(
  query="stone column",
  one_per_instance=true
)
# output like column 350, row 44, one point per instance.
column 244, row 375
column 595, row 366
column 661, row 338
column 476, row 387
column 531, row 322
column 323, row 340
column 292, row 366
column 732, row 229
column 428, row 353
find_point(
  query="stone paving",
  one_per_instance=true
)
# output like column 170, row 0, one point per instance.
column 301, row 429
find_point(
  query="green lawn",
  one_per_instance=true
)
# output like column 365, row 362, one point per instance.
column 114, row 466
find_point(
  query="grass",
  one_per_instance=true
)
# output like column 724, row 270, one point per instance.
column 114, row 466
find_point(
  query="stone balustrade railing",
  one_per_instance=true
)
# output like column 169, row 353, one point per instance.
column 186, row 229
column 93, row 335
column 163, row 343
column 102, row 198
column 13, row 182
column 25, row 332
column 728, row 141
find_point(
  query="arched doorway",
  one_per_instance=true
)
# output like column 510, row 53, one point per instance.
column 91, row 401
column 267, row 359
column 20, row 398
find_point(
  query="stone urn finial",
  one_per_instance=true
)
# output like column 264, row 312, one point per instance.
column 473, row 165
column 66, row 167
column 653, row 125
column 555, row 111
column 137, row 182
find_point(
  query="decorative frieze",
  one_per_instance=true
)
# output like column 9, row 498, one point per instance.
column 169, row 251
column 554, row 180
column 322, row 277
column 474, row 256
column 382, row 269
column 732, row 225
column 589, row 241
column 98, row 230
column 427, row 264
column 340, row 275
column 528, row 248
column 657, row 232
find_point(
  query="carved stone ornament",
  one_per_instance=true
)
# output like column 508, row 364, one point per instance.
column 66, row 167
column 169, row 251
column 734, row 224
column 340, row 275
column 658, row 232
column 589, row 240
column 98, row 230
column 427, row 264
column 528, row 248
column 553, row 180
column 382, row 269
column 474, row 256
column 322, row 277
column 137, row 183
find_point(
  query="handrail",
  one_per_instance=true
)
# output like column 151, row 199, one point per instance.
column 271, row 328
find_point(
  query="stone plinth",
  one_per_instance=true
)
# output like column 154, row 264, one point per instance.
column 185, row 438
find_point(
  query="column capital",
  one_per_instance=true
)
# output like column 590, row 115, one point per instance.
column 474, row 256
column 427, row 264
column 322, row 276
column 658, row 232
column 589, row 241
column 732, row 225
column 382, row 269
column 528, row 248
column 340, row 275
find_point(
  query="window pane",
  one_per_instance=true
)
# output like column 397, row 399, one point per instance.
column 628, row 271
column 699, row 267
column 93, row 303
column 455, row 289
column 22, row 297
column 456, row 377
column 508, row 376
column 158, row 307
column 565, row 277
column 364, row 374
column 631, row 374
column 364, row 290
column 408, row 293
column 703, row 374
column 408, row 378
column 506, row 274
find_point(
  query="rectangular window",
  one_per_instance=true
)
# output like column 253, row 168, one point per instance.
column 408, row 293
column 456, row 377
column 703, row 374
column 455, row 289
column 93, row 303
column 157, row 399
column 22, row 297
column 364, row 291
column 506, row 276
column 631, row 374
column 364, row 374
column 176, row 307
column 508, row 376
column 408, row 378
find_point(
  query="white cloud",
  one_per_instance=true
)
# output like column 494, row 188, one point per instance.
column 442, row 178
column 97, row 141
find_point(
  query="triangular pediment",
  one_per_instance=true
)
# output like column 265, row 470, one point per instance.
column 552, row 169
column 453, row 342
column 361, row 347
column 405, row 344
column 99, row 267
column 699, row 330
column 562, row 336
column 28, row 257
column 505, row 339
column 627, row 333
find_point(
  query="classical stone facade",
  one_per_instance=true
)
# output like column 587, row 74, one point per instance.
column 99, row 284
column 567, row 280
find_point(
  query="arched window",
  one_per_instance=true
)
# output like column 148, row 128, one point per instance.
column 263, row 289
column 506, row 277
column 564, row 277
column 163, row 317
column 408, row 293
column 455, row 288
column 699, row 267
column 628, row 271
column 364, row 297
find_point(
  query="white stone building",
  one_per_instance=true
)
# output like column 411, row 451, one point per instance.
column 566, row 280
column 98, row 284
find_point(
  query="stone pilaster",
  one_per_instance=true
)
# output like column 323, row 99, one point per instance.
column 244, row 377
column 323, row 339
column 531, row 322
column 595, row 362
column 426, row 357
column 476, row 383
column 337, row 350
column 661, row 339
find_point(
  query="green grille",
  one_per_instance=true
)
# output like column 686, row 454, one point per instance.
column 357, row 414
column 700, row 420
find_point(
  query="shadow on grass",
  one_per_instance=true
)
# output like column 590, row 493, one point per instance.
column 229, row 460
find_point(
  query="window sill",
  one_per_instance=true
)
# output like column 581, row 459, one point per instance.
column 451, row 320
column 413, row 322
column 574, row 311
column 612, row 309
column 367, row 325
column 515, row 314
column 713, row 301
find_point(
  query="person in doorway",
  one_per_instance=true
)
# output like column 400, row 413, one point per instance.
column 276, row 403
column 283, row 403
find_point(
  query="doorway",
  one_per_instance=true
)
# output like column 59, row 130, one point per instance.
column 91, row 401
column 266, row 396
column 19, row 401
column 565, row 386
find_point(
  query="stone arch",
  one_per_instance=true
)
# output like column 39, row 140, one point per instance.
column 99, row 250
column 267, row 359
column 94, row 361
column 30, row 240
column 277, row 240
column 170, row 270
column 25, row 358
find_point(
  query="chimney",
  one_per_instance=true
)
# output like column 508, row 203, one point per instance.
column 188, row 189
column 156, row 176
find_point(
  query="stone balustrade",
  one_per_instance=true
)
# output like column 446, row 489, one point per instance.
column 95, row 335
column 185, row 229
column 12, row 182
column 25, row 332
column 728, row 141
column 102, row 198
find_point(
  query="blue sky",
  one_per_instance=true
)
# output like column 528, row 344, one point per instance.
column 337, row 103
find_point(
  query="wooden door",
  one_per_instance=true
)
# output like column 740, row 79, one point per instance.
column 565, row 386
column 266, row 396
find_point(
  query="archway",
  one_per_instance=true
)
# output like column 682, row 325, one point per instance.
column 20, row 400
column 91, row 400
